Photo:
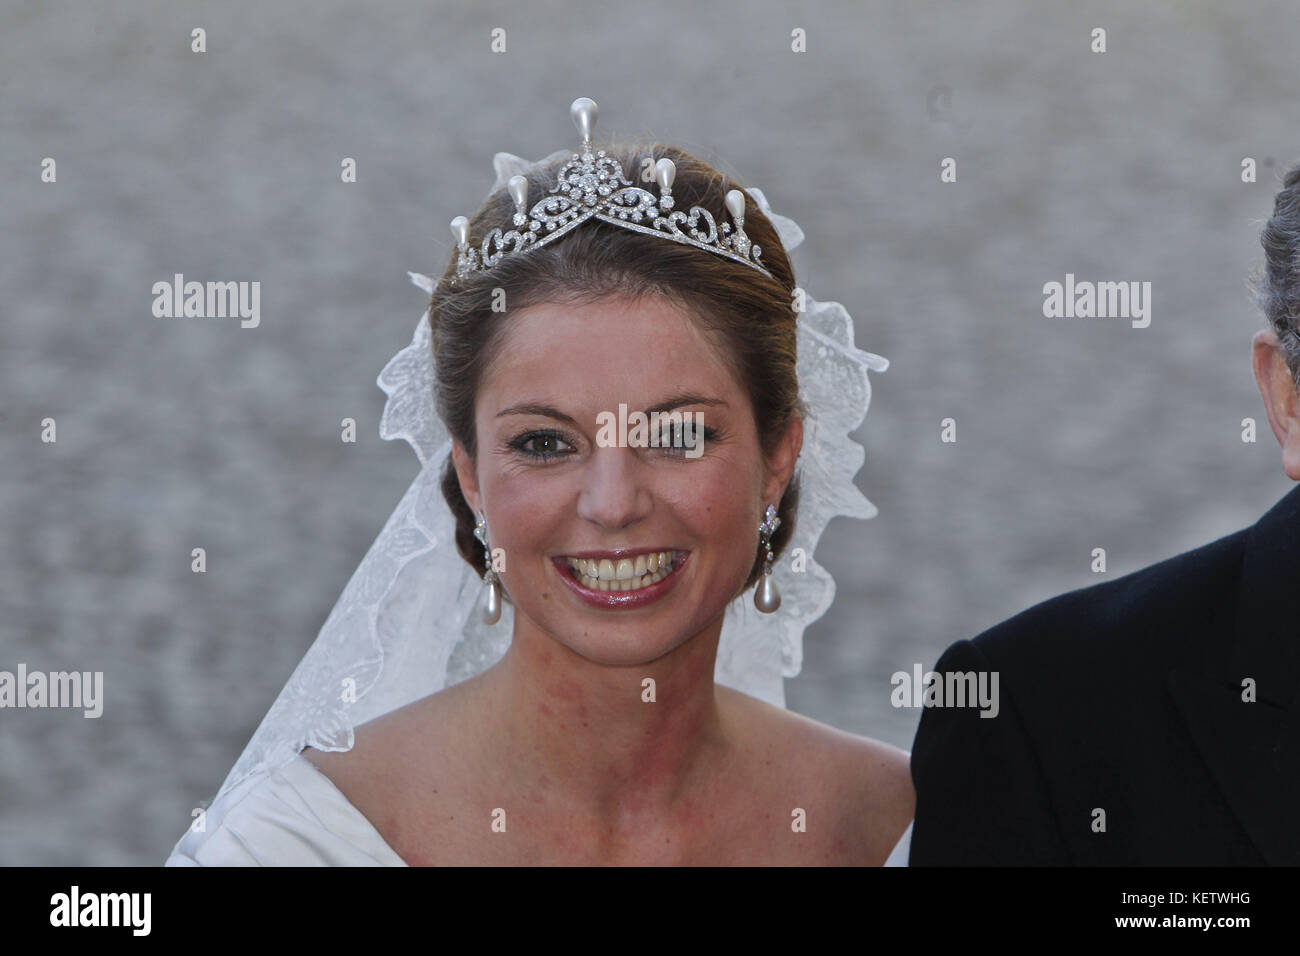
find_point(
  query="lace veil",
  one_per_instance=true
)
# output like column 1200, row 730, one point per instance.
column 406, row 624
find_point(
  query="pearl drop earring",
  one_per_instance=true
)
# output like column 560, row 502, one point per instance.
column 767, row 598
column 492, row 605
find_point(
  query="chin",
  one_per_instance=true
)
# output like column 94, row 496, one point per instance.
column 621, row 643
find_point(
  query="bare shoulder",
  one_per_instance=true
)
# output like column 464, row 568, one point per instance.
column 865, row 784
column 391, row 754
column 368, row 768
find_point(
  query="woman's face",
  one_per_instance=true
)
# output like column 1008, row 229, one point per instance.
column 617, row 549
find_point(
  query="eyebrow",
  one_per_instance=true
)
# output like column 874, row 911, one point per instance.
column 547, row 411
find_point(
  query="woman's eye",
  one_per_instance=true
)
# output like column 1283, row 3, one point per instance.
column 687, row 439
column 541, row 445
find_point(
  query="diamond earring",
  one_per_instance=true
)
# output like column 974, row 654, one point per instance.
column 492, row 605
column 766, row 596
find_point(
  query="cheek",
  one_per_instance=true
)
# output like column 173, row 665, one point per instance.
column 524, row 506
column 715, row 503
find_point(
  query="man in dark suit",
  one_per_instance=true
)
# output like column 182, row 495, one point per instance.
column 1154, row 719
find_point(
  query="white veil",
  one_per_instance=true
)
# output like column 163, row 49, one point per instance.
column 406, row 624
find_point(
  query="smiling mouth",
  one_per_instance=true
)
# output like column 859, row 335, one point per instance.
column 629, row 573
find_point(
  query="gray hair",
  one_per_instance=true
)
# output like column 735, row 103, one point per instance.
column 1277, row 285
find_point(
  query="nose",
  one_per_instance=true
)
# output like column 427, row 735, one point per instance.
column 615, row 493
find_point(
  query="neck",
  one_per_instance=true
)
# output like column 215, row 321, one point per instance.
column 582, row 736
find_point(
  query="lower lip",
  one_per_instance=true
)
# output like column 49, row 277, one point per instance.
column 621, row 600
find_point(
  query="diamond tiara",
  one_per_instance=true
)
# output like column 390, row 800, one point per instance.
column 592, row 186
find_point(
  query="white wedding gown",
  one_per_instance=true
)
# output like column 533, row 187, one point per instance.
column 295, row 816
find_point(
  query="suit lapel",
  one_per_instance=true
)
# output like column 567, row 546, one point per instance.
column 1253, row 749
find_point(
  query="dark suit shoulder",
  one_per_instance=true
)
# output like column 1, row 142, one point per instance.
column 1085, row 721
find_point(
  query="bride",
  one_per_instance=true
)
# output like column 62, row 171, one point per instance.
column 638, row 404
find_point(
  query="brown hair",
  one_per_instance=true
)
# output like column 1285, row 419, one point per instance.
column 749, row 315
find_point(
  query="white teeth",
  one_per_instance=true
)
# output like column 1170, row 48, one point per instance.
column 626, row 575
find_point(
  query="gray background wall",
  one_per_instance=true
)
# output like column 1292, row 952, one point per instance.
column 1072, row 434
